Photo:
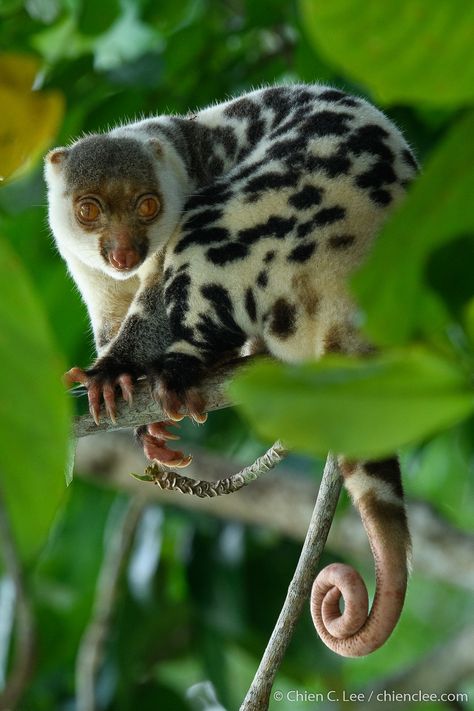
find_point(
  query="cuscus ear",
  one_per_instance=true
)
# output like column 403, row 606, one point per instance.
column 56, row 157
column 156, row 147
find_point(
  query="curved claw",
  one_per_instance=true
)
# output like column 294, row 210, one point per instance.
column 94, row 395
column 108, row 394
column 101, row 387
column 173, row 403
column 156, row 450
column 75, row 375
column 126, row 386
column 158, row 430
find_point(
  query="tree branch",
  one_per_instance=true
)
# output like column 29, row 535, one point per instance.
column 258, row 696
column 91, row 649
column 281, row 502
column 145, row 410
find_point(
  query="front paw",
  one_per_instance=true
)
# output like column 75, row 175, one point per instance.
column 175, row 387
column 101, row 381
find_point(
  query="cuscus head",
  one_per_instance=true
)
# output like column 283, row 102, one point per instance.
column 105, row 201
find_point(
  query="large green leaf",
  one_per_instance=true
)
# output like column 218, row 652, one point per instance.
column 413, row 51
column 438, row 209
column 95, row 18
column 363, row 408
column 34, row 413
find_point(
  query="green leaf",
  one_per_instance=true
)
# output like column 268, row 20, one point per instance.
column 363, row 408
column 96, row 17
column 45, row 11
column 439, row 208
column 405, row 51
column 469, row 321
column 9, row 7
column 126, row 40
column 34, row 412
column 61, row 41
column 142, row 477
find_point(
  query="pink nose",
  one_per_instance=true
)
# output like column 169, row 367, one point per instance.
column 124, row 258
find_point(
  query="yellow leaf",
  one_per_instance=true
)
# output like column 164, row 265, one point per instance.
column 31, row 118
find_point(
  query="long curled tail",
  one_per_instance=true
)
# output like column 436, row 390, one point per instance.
column 376, row 490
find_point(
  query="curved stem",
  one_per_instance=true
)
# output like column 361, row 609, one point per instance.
column 258, row 696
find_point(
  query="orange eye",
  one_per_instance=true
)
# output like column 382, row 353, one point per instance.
column 148, row 207
column 88, row 211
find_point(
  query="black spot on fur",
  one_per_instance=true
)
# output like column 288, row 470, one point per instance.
column 271, row 181
column 224, row 334
column 203, row 237
column 243, row 109
column 177, row 288
column 168, row 273
column 229, row 252
column 334, row 165
column 250, row 305
column 176, row 297
column 341, row 241
column 332, row 95
column 275, row 226
column 248, row 170
column 216, row 193
column 339, row 97
column 304, row 96
column 288, row 148
column 328, row 215
column 307, row 197
column 255, row 132
column 380, row 173
column 293, row 121
column 350, row 101
column 202, row 219
column 282, row 322
column 303, row 252
column 369, row 139
column 277, row 99
column 228, row 140
column 304, row 228
column 327, row 123
column 269, row 257
column 196, row 144
column 262, row 279
column 387, row 470
column 380, row 197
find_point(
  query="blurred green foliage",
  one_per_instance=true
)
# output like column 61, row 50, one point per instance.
column 208, row 592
